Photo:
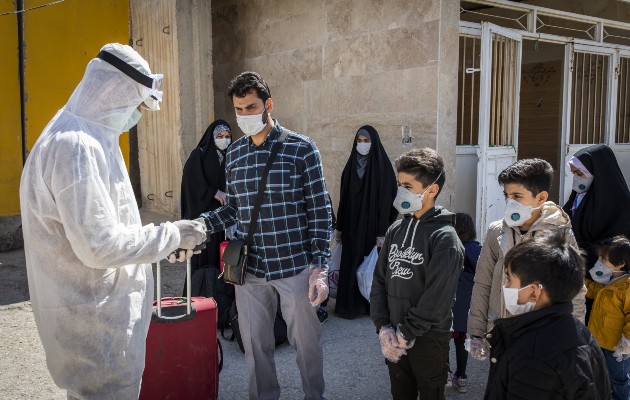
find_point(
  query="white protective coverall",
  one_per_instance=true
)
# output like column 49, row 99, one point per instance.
column 87, row 254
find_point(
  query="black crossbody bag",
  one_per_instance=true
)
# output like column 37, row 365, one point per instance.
column 236, row 252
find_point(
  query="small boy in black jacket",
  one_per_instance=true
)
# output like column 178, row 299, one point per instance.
column 415, row 279
column 543, row 352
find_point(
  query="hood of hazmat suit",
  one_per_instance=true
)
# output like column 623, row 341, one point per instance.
column 87, row 254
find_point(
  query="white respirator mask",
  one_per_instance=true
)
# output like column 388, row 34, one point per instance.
column 516, row 214
column 222, row 143
column 251, row 124
column 601, row 273
column 581, row 184
column 364, row 148
column 510, row 295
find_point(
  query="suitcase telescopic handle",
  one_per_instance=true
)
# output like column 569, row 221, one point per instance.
column 159, row 289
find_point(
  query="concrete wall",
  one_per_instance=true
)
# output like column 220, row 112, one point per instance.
column 175, row 37
column 335, row 65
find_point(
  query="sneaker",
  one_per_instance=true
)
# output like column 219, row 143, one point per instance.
column 449, row 380
column 322, row 315
column 460, row 384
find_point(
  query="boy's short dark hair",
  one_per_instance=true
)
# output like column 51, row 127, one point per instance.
column 246, row 81
column 465, row 227
column 535, row 174
column 426, row 165
column 616, row 250
column 550, row 259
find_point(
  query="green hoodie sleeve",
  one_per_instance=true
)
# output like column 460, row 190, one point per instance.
column 442, row 274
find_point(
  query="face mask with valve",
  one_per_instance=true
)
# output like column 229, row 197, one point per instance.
column 601, row 273
column 516, row 214
column 407, row 202
column 581, row 184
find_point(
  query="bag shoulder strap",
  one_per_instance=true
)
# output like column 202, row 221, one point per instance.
column 275, row 148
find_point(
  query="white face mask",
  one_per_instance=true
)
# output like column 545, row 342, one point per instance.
column 222, row 143
column 363, row 148
column 133, row 120
column 407, row 202
column 581, row 184
column 516, row 214
column 600, row 272
column 251, row 124
column 510, row 295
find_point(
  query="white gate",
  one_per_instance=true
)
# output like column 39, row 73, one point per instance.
column 621, row 128
column 498, row 118
column 588, row 74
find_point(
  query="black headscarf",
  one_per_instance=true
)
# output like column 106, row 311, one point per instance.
column 605, row 209
column 204, row 174
column 379, row 189
column 365, row 212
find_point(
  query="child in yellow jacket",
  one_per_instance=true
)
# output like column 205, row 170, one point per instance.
column 610, row 318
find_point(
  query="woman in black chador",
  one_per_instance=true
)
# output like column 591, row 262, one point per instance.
column 599, row 204
column 368, row 189
column 203, row 186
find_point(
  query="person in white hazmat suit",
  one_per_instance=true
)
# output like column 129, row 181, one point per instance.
column 87, row 254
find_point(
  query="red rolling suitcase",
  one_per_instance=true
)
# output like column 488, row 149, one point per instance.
column 182, row 358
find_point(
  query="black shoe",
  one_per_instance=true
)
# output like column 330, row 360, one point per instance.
column 322, row 315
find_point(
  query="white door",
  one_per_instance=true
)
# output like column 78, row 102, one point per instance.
column 500, row 78
column 588, row 92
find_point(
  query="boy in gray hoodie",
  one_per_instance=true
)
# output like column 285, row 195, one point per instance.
column 415, row 280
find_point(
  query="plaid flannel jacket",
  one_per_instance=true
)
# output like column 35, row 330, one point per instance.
column 294, row 224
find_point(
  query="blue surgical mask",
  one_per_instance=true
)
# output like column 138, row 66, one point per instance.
column 601, row 273
column 133, row 120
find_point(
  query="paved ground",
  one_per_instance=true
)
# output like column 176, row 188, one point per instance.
column 354, row 367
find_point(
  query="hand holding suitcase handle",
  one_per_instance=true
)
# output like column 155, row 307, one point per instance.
column 181, row 255
column 159, row 288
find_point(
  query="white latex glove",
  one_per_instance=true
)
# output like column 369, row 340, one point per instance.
column 192, row 233
column 180, row 255
column 389, row 344
column 380, row 241
column 337, row 236
column 479, row 348
column 402, row 342
column 622, row 349
column 317, row 286
column 221, row 197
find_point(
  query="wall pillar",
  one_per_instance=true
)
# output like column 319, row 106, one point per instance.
column 175, row 37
